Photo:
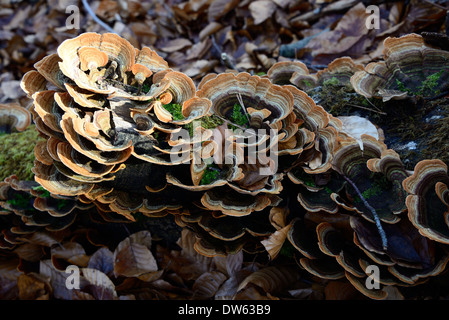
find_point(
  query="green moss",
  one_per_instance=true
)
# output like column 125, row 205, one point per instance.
column 43, row 192
column 211, row 174
column 20, row 200
column 308, row 83
column 146, row 88
column 331, row 82
column 238, row 117
column 374, row 191
column 340, row 99
column 287, row 250
column 428, row 87
column 17, row 153
column 379, row 184
column 207, row 122
column 175, row 110
column 61, row 203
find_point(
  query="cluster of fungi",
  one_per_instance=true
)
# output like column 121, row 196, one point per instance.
column 112, row 116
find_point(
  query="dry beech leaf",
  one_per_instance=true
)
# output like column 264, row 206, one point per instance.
column 272, row 279
column 251, row 292
column 218, row 8
column 175, row 45
column 8, row 279
column 207, row 284
column 71, row 252
column 273, row 244
column 393, row 293
column 349, row 31
column 57, row 281
column 356, row 126
column 30, row 252
column 261, row 10
column 151, row 276
column 33, row 287
column 103, row 260
column 43, row 238
column 198, row 67
column 188, row 263
column 101, row 287
column 278, row 216
column 229, row 288
column 341, row 290
column 230, row 264
column 133, row 257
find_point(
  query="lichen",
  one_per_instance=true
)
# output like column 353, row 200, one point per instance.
column 17, row 153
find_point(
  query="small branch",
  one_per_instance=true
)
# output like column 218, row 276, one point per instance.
column 372, row 104
column 240, row 100
column 373, row 212
column 223, row 55
column 230, row 122
column 97, row 20
column 365, row 108
column 436, row 5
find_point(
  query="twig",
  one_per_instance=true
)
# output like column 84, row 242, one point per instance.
column 436, row 5
column 97, row 20
column 223, row 55
column 365, row 108
column 240, row 100
column 374, row 106
column 373, row 212
column 230, row 122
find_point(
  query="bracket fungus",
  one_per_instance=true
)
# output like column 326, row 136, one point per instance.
column 255, row 115
column 31, row 208
column 249, row 163
column 427, row 200
column 14, row 116
column 296, row 73
column 410, row 68
column 102, row 107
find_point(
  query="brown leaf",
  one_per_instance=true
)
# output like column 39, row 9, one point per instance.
column 187, row 263
column 272, row 279
column 103, row 260
column 261, row 10
column 57, row 280
column 71, row 252
column 33, row 287
column 101, row 287
column 133, row 257
column 175, row 45
column 207, row 285
column 8, row 279
column 348, row 32
column 229, row 265
column 29, row 252
column 274, row 243
column 341, row 290
column 218, row 8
